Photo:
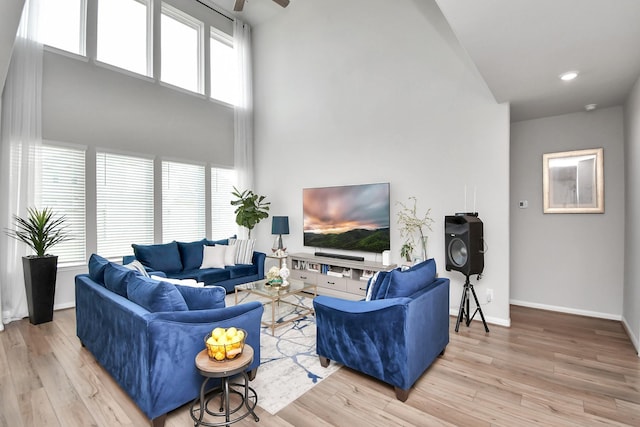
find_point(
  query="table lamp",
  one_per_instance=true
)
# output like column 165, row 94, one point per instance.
column 279, row 226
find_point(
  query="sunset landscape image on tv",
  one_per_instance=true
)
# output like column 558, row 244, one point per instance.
column 350, row 217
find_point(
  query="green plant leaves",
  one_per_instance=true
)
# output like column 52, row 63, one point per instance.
column 40, row 230
column 251, row 208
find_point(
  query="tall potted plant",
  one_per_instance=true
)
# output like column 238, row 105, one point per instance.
column 40, row 231
column 251, row 208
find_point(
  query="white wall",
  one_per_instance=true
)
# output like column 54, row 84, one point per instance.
column 631, row 305
column 10, row 12
column 377, row 91
column 568, row 262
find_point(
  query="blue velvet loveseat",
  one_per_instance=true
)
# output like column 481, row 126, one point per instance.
column 395, row 334
column 146, row 333
column 184, row 260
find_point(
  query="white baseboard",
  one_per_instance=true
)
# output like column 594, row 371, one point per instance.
column 492, row 320
column 567, row 310
column 64, row 306
column 633, row 338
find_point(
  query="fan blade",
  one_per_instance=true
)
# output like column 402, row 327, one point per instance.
column 283, row 3
column 238, row 6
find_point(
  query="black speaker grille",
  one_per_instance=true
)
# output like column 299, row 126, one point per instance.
column 458, row 252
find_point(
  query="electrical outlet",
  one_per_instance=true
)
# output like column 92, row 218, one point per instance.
column 489, row 295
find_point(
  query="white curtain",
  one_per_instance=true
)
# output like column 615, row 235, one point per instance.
column 20, row 139
column 243, row 116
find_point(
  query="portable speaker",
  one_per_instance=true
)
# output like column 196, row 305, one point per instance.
column 464, row 244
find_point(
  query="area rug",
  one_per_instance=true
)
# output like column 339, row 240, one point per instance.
column 289, row 365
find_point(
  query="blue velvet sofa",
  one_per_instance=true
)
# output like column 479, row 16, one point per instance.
column 182, row 260
column 146, row 333
column 393, row 335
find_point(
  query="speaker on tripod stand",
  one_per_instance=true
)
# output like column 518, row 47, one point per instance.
column 465, row 253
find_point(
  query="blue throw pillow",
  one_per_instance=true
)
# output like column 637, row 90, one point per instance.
column 406, row 283
column 164, row 257
column 97, row 265
column 116, row 278
column 203, row 298
column 155, row 296
column 218, row 242
column 383, row 285
column 191, row 254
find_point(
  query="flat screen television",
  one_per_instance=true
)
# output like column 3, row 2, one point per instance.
column 348, row 217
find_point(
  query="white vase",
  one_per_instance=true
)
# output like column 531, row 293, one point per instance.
column 284, row 272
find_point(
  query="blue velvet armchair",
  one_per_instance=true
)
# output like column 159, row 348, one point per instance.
column 395, row 334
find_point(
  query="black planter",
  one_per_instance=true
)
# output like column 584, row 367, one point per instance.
column 40, row 282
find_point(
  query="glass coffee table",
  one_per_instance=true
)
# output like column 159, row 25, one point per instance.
column 283, row 311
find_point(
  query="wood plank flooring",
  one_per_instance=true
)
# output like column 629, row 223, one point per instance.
column 548, row 369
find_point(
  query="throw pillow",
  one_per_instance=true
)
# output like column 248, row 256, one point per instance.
column 406, row 283
column 370, row 286
column 117, row 277
column 164, row 257
column 155, row 296
column 244, row 250
column 213, row 256
column 97, row 265
column 191, row 254
column 230, row 255
column 137, row 266
column 203, row 298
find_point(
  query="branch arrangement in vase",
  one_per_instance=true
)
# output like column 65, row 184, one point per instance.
column 412, row 225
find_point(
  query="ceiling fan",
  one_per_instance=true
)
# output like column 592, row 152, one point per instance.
column 239, row 4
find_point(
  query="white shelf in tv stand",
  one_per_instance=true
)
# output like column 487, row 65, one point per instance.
column 351, row 287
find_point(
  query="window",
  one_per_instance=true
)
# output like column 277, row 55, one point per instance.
column 223, row 220
column 62, row 24
column 124, row 34
column 223, row 68
column 181, row 47
column 63, row 190
column 183, row 202
column 124, row 192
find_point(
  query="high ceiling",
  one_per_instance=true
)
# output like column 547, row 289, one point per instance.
column 521, row 47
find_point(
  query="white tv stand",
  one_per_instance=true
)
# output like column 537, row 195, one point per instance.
column 334, row 276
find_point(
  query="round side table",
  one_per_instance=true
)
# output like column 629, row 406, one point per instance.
column 225, row 371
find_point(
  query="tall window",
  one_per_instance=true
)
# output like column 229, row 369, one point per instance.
column 181, row 47
column 62, row 24
column 63, row 190
column 223, row 67
column 183, row 202
column 124, row 34
column 222, row 217
column 124, row 187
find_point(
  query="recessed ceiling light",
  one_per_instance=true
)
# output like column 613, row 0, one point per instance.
column 569, row 75
column 590, row 107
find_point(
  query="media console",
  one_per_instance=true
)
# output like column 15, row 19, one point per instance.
column 344, row 278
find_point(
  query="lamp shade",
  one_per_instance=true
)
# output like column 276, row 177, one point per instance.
column 280, row 225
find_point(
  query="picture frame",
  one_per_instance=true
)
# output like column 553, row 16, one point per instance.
column 573, row 181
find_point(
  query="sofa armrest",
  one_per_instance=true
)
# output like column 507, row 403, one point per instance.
column 258, row 260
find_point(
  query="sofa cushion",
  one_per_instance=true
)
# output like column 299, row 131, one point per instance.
column 218, row 242
column 406, row 283
column 242, row 270
column 191, row 253
column 203, row 298
column 244, row 250
column 165, row 257
column 213, row 256
column 155, row 296
column 117, row 277
column 97, row 265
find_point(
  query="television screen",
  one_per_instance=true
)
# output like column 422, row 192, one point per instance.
column 350, row 217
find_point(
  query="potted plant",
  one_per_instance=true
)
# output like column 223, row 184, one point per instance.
column 40, row 231
column 410, row 225
column 251, row 208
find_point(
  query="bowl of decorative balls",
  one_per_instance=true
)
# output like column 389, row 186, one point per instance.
column 225, row 344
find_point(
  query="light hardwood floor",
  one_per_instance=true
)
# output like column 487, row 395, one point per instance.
column 548, row 369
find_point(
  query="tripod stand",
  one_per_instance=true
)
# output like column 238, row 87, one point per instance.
column 464, row 306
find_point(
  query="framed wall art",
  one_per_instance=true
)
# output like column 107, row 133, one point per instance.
column 573, row 181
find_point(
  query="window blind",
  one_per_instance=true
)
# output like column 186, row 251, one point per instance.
column 183, row 202
column 223, row 220
column 63, row 190
column 124, row 192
